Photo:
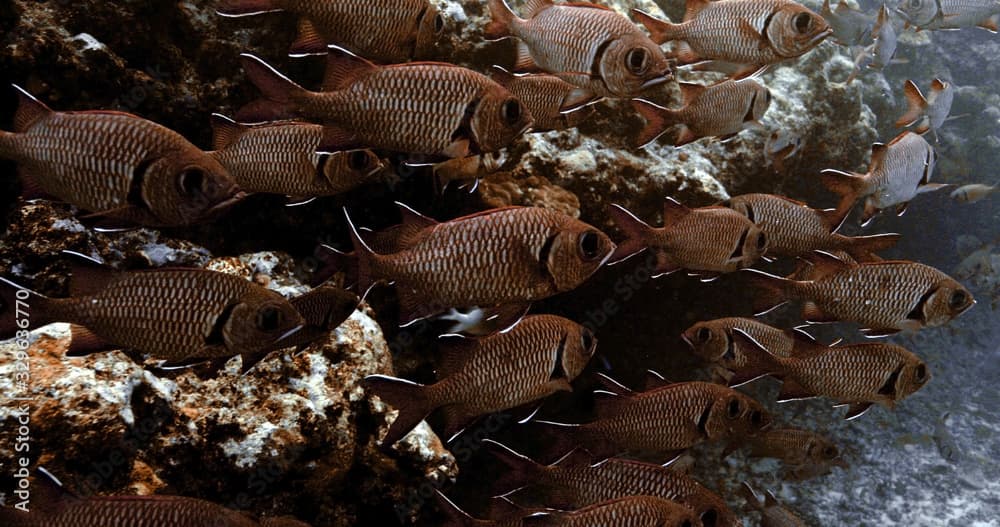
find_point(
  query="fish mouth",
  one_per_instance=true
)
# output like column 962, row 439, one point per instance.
column 656, row 81
column 222, row 205
column 820, row 36
column 289, row 333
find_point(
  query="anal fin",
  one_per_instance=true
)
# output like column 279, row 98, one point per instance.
column 791, row 390
column 84, row 342
column 308, row 41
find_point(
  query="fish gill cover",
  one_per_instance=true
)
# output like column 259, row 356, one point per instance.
column 295, row 429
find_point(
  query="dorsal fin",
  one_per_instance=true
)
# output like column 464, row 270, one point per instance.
column 533, row 7
column 654, row 380
column 412, row 218
column 29, row 110
column 693, row 8
column 456, row 350
column 578, row 457
column 612, row 386
column 825, row 10
column 342, row 68
column 842, row 8
column 825, row 264
column 501, row 76
column 938, row 85
column 769, row 499
column 89, row 276
column 587, row 5
column 673, row 211
column 225, row 131
column 49, row 493
column 577, row 98
column 878, row 156
column 690, row 91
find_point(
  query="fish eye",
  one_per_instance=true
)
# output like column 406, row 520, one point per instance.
column 590, row 245
column 802, row 22
column 767, row 97
column 511, row 112
column 830, row 452
column 703, row 334
column 192, row 181
column 915, row 4
column 709, row 518
column 761, row 242
column 756, row 418
column 958, row 300
column 438, row 23
column 587, row 340
column 357, row 160
column 269, row 319
column 921, row 373
column 685, row 523
column 637, row 60
column 733, row 408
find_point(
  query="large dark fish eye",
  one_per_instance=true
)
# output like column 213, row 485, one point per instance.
column 685, row 523
column 511, row 112
column 703, row 334
column 830, row 452
column 802, row 22
column 587, row 340
column 761, row 242
column 958, row 299
column 638, row 61
column 921, row 373
column 438, row 23
column 709, row 518
column 756, row 418
column 767, row 96
column 915, row 4
column 733, row 409
column 269, row 319
column 590, row 245
column 192, row 182
column 357, row 160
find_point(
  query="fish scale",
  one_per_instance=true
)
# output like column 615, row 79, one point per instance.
column 558, row 45
column 948, row 14
column 722, row 109
column 792, row 446
column 702, row 240
column 632, row 511
column 712, row 35
column 129, row 511
column 849, row 373
column 908, row 162
column 546, row 97
column 774, row 340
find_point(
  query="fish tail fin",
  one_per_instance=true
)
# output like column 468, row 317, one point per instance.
column 363, row 258
column 238, row 8
column 501, row 18
column 848, row 185
column 917, row 105
column 408, row 397
column 563, row 438
column 861, row 248
column 635, row 230
column 454, row 515
column 279, row 92
column 771, row 291
column 333, row 261
column 660, row 31
column 521, row 470
column 658, row 119
column 21, row 309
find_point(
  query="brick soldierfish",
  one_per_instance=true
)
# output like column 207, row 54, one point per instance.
column 288, row 158
column 386, row 31
column 538, row 356
column 420, row 108
column 950, row 14
column 723, row 109
column 884, row 297
column 880, row 52
column 708, row 241
column 931, row 111
column 53, row 506
column 513, row 255
column 179, row 315
column 897, row 173
column 794, row 229
column 750, row 32
column 574, row 482
column 803, row 452
column 856, row 375
column 120, row 167
column 771, row 512
column 324, row 309
column 585, row 44
column 851, row 27
column 554, row 103
column 662, row 421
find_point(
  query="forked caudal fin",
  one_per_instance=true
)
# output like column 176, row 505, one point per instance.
column 862, row 248
column 770, row 291
column 20, row 309
column 658, row 120
column 917, row 105
column 521, row 470
column 660, row 31
column 501, row 17
column 847, row 185
column 634, row 230
column 408, row 397
column 279, row 92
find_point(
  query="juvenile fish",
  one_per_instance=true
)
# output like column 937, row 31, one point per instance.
column 54, row 506
column 972, row 193
column 539, row 356
column 851, row 27
column 779, row 147
column 755, row 33
column 772, row 513
column 707, row 240
column 512, row 255
column 884, row 297
column 723, row 109
column 386, row 31
column 897, row 173
column 945, row 441
column 801, row 451
column 554, row 103
column 932, row 111
column 420, row 108
column 121, row 168
column 288, row 158
column 856, row 375
column 951, row 14
column 180, row 315
column 662, row 421
column 574, row 482
column 794, row 229
column 880, row 52
column 587, row 45
column 464, row 169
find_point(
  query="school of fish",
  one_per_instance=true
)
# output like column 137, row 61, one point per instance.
column 382, row 98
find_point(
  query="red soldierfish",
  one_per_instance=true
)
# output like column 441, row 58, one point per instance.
column 554, row 103
column 771, row 512
column 574, row 482
column 288, row 158
column 537, row 357
column 951, row 14
column 513, row 255
column 387, row 31
column 122, row 168
column 180, row 315
column 804, row 453
column 932, row 111
column 707, row 241
column 794, row 229
column 723, row 109
column 420, row 108
column 750, row 32
column 585, row 44
column 884, row 297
